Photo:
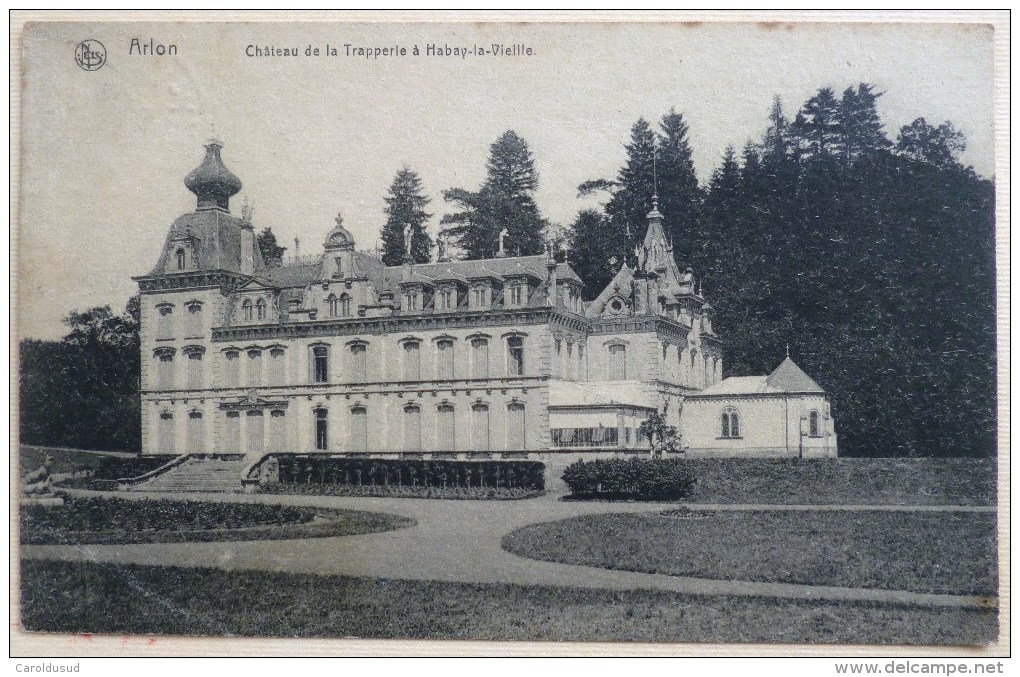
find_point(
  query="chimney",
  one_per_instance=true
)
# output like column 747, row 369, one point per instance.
column 551, row 282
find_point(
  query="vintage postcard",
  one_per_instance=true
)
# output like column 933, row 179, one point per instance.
column 637, row 330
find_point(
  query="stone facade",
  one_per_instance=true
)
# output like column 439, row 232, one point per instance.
column 341, row 354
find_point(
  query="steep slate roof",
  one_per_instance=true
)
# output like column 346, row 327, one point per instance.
column 571, row 393
column 790, row 378
column 787, row 378
column 217, row 239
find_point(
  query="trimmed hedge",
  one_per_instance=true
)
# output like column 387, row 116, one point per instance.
column 529, row 475
column 641, row 479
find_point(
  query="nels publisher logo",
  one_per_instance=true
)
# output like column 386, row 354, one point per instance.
column 90, row 55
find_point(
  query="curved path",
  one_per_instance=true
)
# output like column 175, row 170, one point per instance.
column 460, row 541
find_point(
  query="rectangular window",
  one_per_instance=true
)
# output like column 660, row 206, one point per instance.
column 196, row 433
column 585, row 437
column 515, row 426
column 232, row 371
column 254, row 368
column 277, row 430
column 277, row 367
column 479, row 358
column 359, row 429
column 446, row 299
column 515, row 356
column 256, row 432
column 232, row 433
column 617, row 362
column 412, row 361
column 321, row 429
column 165, row 375
column 515, row 295
column 164, row 319
column 195, row 370
column 166, row 433
column 195, row 320
column 480, row 427
column 320, row 364
column 444, row 359
column 447, row 428
column 412, row 428
column 359, row 362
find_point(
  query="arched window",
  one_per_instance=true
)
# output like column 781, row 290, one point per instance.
column 321, row 429
column 515, row 356
column 813, row 424
column 182, row 259
column 260, row 307
column 345, row 305
column 246, row 310
column 730, row 423
column 332, row 305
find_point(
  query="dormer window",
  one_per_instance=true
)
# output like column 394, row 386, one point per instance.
column 345, row 305
column 411, row 300
column 247, row 310
column 260, row 308
column 447, row 299
column 516, row 293
column 332, row 305
column 480, row 296
column 339, row 272
column 182, row 258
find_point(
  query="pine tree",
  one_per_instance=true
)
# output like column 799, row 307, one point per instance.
column 679, row 193
column 272, row 253
column 632, row 200
column 819, row 127
column 862, row 127
column 505, row 201
column 596, row 250
column 405, row 206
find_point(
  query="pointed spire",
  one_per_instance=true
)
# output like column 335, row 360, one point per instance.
column 787, row 351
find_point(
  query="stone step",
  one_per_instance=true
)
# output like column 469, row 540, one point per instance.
column 198, row 475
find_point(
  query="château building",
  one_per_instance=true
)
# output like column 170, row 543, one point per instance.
column 494, row 358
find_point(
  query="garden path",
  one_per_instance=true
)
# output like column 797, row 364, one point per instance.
column 460, row 541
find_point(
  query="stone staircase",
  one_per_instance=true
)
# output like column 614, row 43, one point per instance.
column 200, row 474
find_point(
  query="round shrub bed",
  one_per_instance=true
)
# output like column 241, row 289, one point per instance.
column 103, row 520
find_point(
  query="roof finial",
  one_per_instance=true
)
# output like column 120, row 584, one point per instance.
column 655, row 178
column 787, row 351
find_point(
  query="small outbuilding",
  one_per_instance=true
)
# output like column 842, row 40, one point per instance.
column 782, row 415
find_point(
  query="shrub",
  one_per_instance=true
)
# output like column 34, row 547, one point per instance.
column 529, row 475
column 637, row 479
column 115, row 468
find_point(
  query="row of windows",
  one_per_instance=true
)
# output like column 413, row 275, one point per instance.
column 730, row 420
column 480, row 437
column 193, row 320
column 253, row 311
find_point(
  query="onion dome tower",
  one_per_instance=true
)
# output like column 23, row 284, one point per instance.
column 211, row 181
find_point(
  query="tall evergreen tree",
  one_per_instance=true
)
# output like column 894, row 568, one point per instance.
column 679, row 193
column 596, row 250
column 405, row 207
column 819, row 128
column 632, row 199
column 862, row 127
column 505, row 201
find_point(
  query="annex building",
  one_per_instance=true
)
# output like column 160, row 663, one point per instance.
column 496, row 358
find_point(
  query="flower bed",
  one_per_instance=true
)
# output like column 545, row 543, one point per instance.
column 398, row 491
column 111, row 520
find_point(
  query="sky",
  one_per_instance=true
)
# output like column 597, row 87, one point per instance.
column 104, row 153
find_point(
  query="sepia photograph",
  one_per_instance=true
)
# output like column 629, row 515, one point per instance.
column 631, row 330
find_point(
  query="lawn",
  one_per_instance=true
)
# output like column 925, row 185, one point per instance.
column 104, row 598
column 853, row 481
column 944, row 553
column 112, row 520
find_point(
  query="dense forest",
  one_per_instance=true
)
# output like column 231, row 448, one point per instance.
column 872, row 258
